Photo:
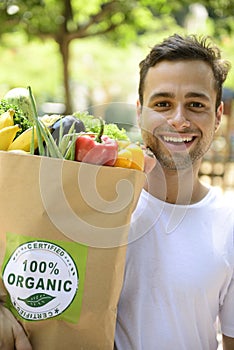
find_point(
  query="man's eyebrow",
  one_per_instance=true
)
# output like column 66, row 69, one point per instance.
column 165, row 94
column 161, row 94
column 198, row 95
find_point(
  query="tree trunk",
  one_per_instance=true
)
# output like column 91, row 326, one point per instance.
column 64, row 50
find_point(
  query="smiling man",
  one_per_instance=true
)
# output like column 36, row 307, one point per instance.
column 180, row 258
column 178, row 93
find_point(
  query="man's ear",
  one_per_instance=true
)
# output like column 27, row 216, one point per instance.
column 138, row 112
column 219, row 114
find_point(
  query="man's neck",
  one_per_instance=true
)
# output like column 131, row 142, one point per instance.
column 177, row 187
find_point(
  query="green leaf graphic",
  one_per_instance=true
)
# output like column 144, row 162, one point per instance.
column 37, row 300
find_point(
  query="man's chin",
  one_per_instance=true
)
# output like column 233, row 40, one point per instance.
column 176, row 163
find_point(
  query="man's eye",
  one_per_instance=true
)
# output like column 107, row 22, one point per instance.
column 196, row 105
column 162, row 104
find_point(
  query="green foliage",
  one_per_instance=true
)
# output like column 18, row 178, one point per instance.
column 18, row 117
column 50, row 18
column 222, row 13
column 92, row 125
column 119, row 22
column 227, row 45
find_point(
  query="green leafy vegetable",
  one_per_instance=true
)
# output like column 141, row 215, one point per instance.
column 92, row 124
column 18, row 117
column 20, row 97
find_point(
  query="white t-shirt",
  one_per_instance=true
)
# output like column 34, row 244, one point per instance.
column 178, row 276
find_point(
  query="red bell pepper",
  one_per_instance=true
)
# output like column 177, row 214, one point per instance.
column 96, row 149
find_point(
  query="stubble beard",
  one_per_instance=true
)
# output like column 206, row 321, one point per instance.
column 177, row 160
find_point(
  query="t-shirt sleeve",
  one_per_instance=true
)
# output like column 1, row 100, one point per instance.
column 227, row 312
column 227, row 309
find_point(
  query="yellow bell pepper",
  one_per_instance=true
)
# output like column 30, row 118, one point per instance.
column 124, row 158
column 123, row 144
column 130, row 155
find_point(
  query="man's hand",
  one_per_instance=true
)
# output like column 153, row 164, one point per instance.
column 12, row 335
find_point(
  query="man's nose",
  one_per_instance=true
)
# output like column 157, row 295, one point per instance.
column 178, row 119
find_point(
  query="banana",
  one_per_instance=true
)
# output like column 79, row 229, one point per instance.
column 23, row 141
column 7, row 135
column 6, row 119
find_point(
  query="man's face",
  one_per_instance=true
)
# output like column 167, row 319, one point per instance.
column 178, row 118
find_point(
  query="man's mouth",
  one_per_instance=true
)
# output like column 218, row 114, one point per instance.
column 176, row 142
column 174, row 139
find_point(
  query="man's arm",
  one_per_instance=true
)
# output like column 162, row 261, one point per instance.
column 228, row 343
column 12, row 335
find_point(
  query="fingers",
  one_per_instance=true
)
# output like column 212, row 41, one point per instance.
column 6, row 335
column 12, row 335
column 21, row 340
column 150, row 161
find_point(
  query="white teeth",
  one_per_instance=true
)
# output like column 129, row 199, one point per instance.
column 177, row 139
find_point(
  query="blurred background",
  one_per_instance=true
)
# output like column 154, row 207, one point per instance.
column 80, row 55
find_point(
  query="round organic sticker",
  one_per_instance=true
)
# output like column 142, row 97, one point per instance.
column 42, row 280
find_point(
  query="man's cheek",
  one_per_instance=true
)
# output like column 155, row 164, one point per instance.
column 149, row 120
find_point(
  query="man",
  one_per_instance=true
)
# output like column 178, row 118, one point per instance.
column 180, row 259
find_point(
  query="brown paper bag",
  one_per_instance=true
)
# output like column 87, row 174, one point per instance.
column 64, row 228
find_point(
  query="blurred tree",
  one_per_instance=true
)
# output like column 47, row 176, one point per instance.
column 118, row 20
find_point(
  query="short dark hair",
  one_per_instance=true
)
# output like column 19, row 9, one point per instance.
column 190, row 47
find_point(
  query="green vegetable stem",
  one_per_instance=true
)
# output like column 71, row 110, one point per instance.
column 66, row 146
